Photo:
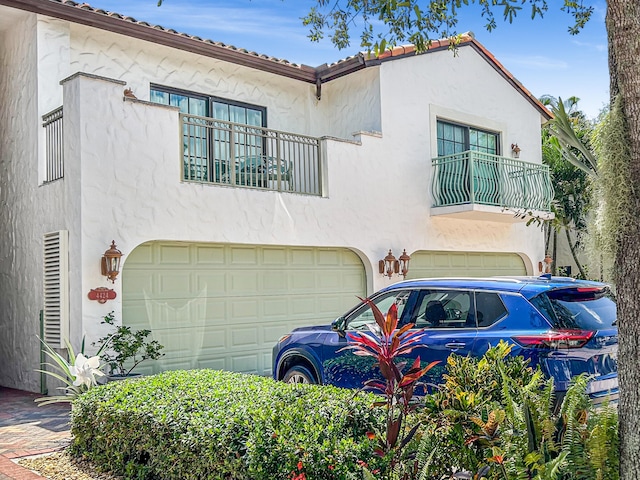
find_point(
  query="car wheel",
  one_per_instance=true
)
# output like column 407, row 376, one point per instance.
column 298, row 374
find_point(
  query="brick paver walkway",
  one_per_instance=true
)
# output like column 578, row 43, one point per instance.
column 28, row 429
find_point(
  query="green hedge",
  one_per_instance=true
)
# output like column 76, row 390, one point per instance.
column 206, row 424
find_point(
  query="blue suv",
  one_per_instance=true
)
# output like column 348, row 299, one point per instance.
column 565, row 326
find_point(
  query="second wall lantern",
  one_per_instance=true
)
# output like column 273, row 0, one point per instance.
column 389, row 265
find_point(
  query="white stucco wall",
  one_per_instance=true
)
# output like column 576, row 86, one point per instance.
column 350, row 104
column 28, row 209
column 462, row 88
column 123, row 164
column 132, row 193
column 291, row 105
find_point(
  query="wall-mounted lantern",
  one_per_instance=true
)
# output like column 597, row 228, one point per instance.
column 111, row 262
column 389, row 265
column 404, row 263
column 515, row 150
column 545, row 265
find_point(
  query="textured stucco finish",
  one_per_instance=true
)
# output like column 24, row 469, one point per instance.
column 123, row 164
column 28, row 210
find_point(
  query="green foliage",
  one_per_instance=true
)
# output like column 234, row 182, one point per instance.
column 386, row 343
column 125, row 349
column 213, row 424
column 567, row 149
column 416, row 21
column 495, row 418
column 614, row 181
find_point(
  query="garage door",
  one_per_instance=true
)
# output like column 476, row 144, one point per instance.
column 224, row 306
column 425, row 264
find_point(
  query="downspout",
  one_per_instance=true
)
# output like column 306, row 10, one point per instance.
column 43, row 359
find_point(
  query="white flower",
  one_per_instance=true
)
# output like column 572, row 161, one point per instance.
column 85, row 370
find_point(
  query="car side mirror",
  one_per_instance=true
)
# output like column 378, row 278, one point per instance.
column 338, row 325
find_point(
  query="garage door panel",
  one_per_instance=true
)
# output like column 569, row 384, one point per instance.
column 209, row 255
column 477, row 261
column 273, row 332
column 330, row 258
column 245, row 363
column 243, row 256
column 242, row 282
column 274, row 308
column 274, row 256
column 458, row 261
column 244, row 337
column 174, row 254
column 243, row 309
column 301, row 257
column 229, row 304
column 303, row 305
column 176, row 285
column 274, row 283
column 210, row 281
column 425, row 264
column 350, row 282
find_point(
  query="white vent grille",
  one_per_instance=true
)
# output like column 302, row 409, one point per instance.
column 56, row 288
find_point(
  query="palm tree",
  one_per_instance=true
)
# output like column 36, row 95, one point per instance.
column 566, row 149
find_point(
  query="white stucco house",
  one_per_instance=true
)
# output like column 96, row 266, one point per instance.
column 248, row 195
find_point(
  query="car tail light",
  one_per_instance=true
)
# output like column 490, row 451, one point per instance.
column 556, row 339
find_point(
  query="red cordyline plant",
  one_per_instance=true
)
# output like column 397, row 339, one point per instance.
column 387, row 344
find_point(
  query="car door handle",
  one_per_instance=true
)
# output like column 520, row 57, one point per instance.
column 454, row 345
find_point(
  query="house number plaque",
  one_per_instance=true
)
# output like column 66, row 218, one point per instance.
column 102, row 294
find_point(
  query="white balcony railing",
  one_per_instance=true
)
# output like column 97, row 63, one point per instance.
column 479, row 178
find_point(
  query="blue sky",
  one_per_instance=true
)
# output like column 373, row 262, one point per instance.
column 539, row 53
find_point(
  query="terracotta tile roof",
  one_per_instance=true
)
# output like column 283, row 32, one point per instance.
column 99, row 11
column 85, row 14
column 467, row 39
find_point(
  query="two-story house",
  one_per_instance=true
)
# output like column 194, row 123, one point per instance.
column 248, row 195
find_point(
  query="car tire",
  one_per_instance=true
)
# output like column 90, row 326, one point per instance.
column 299, row 374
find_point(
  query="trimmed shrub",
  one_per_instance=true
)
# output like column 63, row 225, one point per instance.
column 202, row 424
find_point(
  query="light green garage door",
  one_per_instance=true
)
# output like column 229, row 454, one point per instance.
column 224, row 306
column 425, row 264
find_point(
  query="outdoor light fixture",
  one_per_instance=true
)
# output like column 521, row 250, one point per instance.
column 515, row 150
column 545, row 265
column 111, row 262
column 390, row 265
column 404, row 263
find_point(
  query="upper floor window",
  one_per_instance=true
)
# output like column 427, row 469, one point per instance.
column 454, row 138
column 214, row 149
column 210, row 106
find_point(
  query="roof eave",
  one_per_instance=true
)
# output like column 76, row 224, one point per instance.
column 93, row 18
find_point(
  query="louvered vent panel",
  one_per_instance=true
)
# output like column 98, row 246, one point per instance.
column 56, row 288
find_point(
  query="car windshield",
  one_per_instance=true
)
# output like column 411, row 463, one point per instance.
column 585, row 308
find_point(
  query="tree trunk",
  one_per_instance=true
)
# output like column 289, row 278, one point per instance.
column 572, row 247
column 623, row 27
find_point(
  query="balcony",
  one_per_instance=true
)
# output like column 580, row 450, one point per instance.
column 246, row 156
column 480, row 186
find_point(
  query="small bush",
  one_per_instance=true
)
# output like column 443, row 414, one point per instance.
column 212, row 424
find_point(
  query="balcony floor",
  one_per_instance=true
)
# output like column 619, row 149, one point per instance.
column 489, row 213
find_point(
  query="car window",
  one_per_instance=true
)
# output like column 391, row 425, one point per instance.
column 443, row 309
column 489, row 308
column 364, row 315
column 578, row 308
